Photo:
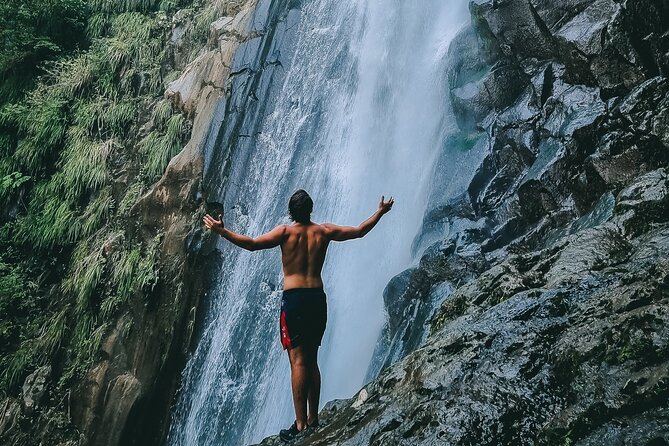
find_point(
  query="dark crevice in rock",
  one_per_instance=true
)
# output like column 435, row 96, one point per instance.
column 547, row 87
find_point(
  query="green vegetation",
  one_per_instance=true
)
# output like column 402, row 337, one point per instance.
column 16, row 305
column 32, row 32
column 567, row 440
column 162, row 144
column 84, row 132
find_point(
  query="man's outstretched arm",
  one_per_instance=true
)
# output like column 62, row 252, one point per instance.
column 342, row 233
column 268, row 240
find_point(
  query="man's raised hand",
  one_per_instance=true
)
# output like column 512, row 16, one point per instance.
column 213, row 224
column 386, row 206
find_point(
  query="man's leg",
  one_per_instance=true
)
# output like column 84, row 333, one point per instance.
column 299, row 380
column 314, row 380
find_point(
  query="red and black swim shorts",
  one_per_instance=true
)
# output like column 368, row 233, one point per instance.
column 303, row 317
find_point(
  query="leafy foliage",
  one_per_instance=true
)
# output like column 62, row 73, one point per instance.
column 161, row 146
column 84, row 132
column 21, row 324
column 65, row 128
column 32, row 31
column 11, row 182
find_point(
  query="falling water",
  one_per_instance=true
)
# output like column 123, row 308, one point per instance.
column 348, row 100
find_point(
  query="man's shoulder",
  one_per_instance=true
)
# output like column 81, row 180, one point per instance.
column 324, row 226
column 327, row 229
column 327, row 225
column 281, row 228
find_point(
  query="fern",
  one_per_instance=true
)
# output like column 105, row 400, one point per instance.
column 95, row 340
column 75, row 75
column 126, row 326
column 84, row 165
column 87, row 269
column 159, row 149
column 97, row 25
column 132, row 272
column 162, row 113
column 15, row 365
column 51, row 335
column 131, row 195
column 42, row 124
column 125, row 273
column 11, row 182
column 104, row 119
column 96, row 214
column 204, row 19
column 48, row 227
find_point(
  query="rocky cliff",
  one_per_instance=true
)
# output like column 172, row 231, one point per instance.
column 538, row 311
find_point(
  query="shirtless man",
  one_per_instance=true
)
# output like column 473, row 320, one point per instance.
column 303, row 308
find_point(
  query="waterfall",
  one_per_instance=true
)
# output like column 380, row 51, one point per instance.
column 349, row 101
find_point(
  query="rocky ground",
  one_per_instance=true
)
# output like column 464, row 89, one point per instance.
column 550, row 278
column 566, row 345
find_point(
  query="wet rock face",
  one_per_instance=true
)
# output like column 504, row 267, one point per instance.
column 556, row 146
column 538, row 311
column 611, row 43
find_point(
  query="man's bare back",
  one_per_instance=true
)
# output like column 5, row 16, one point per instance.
column 302, row 254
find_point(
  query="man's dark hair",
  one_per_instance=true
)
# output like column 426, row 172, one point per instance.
column 300, row 206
